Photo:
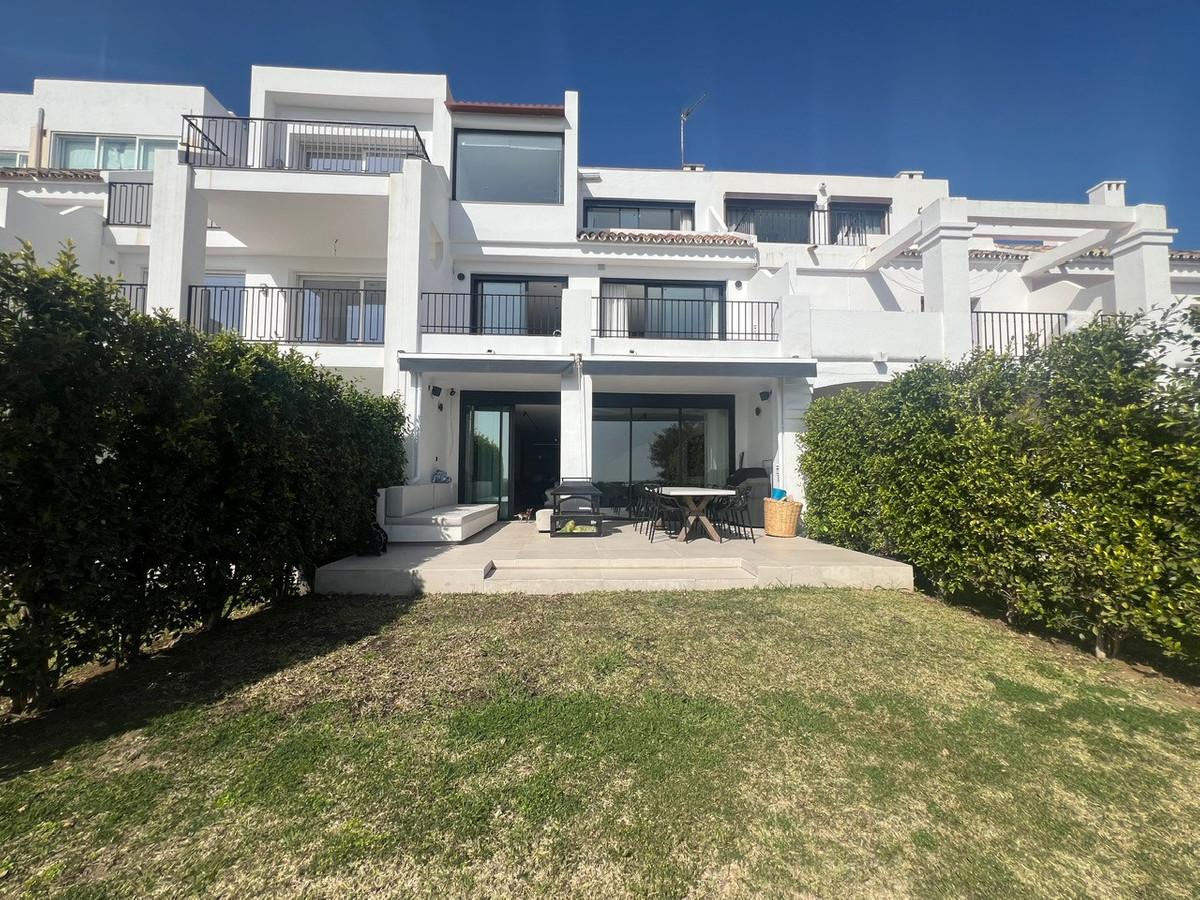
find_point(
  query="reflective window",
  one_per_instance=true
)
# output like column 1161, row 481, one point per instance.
column 602, row 214
column 508, row 167
column 13, row 159
column 100, row 151
column 780, row 222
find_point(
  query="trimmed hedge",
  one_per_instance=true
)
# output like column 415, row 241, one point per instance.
column 1065, row 485
column 153, row 479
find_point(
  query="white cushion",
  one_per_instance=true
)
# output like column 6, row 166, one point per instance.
column 445, row 494
column 542, row 517
column 406, row 499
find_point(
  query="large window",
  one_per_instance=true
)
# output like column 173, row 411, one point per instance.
column 106, row 151
column 508, row 305
column 14, row 159
column 772, row 221
column 340, row 311
column 641, row 438
column 855, row 223
column 508, row 166
column 661, row 309
column 603, row 214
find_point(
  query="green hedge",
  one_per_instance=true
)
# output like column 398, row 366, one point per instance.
column 153, row 479
column 1065, row 486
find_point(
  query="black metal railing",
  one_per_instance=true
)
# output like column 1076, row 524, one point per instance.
column 694, row 320
column 129, row 202
column 134, row 294
column 289, row 315
column 226, row 142
column 850, row 226
column 1015, row 333
column 491, row 314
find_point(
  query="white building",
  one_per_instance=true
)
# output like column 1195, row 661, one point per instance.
column 543, row 318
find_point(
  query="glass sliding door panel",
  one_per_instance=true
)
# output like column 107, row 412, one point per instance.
column 223, row 304
column 487, row 451
column 118, row 153
column 501, row 307
column 374, row 298
column 610, row 455
column 330, row 313
column 705, row 446
column 655, row 452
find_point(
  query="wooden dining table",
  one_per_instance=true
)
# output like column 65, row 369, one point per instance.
column 694, row 501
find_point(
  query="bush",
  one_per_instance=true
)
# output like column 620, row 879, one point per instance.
column 1065, row 486
column 154, row 479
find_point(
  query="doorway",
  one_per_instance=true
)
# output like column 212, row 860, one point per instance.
column 510, row 449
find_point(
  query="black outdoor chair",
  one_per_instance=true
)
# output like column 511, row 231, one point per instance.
column 665, row 514
column 734, row 514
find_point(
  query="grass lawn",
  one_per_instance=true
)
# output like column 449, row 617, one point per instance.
column 782, row 742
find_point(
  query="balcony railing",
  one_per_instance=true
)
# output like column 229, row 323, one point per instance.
column 129, row 203
column 134, row 294
column 687, row 320
column 513, row 314
column 849, row 226
column 226, row 142
column 1015, row 333
column 289, row 315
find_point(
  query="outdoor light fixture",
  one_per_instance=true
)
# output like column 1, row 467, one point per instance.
column 460, row 276
column 764, row 396
column 758, row 410
column 435, row 390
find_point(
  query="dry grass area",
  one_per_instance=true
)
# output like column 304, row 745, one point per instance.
column 776, row 742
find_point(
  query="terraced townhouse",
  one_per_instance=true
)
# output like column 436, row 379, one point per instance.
column 545, row 319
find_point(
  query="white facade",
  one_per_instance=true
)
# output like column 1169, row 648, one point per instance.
column 572, row 321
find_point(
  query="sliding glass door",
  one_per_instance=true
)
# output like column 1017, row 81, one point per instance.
column 486, row 456
column 648, row 438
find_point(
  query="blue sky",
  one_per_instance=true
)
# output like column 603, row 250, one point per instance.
column 1007, row 100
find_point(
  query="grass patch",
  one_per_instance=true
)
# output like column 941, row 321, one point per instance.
column 772, row 742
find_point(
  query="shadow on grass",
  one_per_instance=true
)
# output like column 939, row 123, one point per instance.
column 197, row 669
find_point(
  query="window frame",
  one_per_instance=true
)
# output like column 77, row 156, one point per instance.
column 97, row 137
column 477, row 296
column 562, row 165
column 681, row 206
column 805, row 206
column 20, row 158
column 884, row 207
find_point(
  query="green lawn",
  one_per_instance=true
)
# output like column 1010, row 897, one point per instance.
column 799, row 742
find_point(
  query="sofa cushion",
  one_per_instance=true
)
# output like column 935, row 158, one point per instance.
column 449, row 516
column 406, row 499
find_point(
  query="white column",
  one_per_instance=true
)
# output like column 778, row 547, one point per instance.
column 575, row 438
column 178, row 234
column 945, row 264
column 400, row 317
column 1141, row 262
column 795, row 396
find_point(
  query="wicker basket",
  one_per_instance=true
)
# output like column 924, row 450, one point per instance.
column 780, row 517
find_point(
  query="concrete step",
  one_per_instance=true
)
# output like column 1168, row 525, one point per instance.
column 572, row 580
column 607, row 564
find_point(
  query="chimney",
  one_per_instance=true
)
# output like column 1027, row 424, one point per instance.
column 911, row 174
column 1107, row 193
column 693, row 167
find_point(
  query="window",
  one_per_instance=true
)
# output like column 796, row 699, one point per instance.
column 103, row 151
column 508, row 167
column 340, row 311
column 640, row 438
column 853, row 223
column 772, row 221
column 503, row 305
column 661, row 309
column 603, row 214
column 13, row 159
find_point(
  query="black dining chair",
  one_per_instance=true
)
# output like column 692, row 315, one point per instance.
column 734, row 514
column 665, row 514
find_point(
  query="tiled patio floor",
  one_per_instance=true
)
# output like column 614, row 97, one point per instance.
column 515, row 557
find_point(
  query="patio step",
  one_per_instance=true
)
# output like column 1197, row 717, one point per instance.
column 577, row 576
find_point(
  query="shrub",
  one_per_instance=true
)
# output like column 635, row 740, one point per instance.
column 1065, row 486
column 154, row 479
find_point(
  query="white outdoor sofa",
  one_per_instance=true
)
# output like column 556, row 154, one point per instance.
column 430, row 512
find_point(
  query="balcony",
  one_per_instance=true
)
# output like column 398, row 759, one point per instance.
column 283, row 145
column 134, row 294
column 493, row 314
column 1015, row 333
column 129, row 203
column 687, row 320
column 289, row 315
column 800, row 222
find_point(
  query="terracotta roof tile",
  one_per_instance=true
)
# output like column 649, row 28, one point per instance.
column 50, row 174
column 509, row 109
column 692, row 238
